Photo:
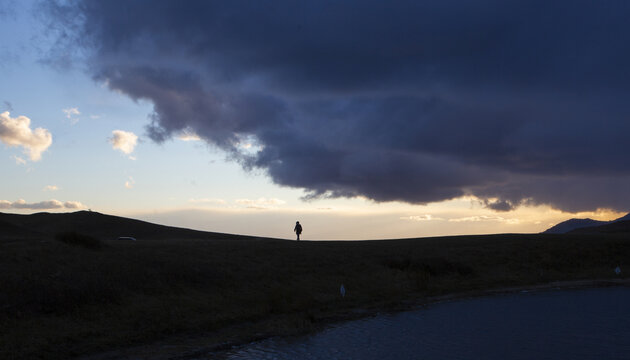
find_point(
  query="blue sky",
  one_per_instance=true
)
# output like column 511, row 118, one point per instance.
column 383, row 141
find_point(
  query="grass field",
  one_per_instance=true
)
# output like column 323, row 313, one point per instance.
column 61, row 299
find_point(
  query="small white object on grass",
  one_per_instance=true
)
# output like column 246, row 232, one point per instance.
column 617, row 270
column 342, row 290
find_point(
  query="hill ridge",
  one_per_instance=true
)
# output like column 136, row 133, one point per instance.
column 574, row 224
column 98, row 225
column 617, row 226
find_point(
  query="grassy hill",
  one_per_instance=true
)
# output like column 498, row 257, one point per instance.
column 101, row 226
column 10, row 230
column 61, row 300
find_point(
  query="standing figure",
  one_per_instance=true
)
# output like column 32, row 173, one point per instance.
column 298, row 229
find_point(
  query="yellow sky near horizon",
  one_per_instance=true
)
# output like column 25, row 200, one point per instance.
column 340, row 220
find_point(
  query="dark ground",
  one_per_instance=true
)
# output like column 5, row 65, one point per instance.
column 62, row 297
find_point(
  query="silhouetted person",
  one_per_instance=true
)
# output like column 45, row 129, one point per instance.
column 298, row 229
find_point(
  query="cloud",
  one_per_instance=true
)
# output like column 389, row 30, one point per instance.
column 130, row 183
column 71, row 113
column 208, row 201
column 485, row 218
column 17, row 132
column 19, row 160
column 188, row 136
column 73, row 205
column 426, row 217
column 260, row 203
column 505, row 205
column 500, row 205
column 519, row 101
column 124, row 141
column 42, row 205
column 50, row 204
column 51, row 188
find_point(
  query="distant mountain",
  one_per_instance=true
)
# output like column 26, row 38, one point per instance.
column 617, row 226
column 97, row 225
column 573, row 225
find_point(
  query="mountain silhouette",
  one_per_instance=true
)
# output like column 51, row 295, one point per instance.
column 572, row 224
column 616, row 226
column 580, row 226
column 96, row 225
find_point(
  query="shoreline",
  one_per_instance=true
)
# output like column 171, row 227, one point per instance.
column 187, row 346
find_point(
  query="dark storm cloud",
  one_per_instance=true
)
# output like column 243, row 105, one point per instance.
column 520, row 101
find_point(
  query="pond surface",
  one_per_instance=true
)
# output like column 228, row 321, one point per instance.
column 568, row 324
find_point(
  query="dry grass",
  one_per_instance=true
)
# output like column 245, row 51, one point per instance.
column 60, row 300
column 75, row 239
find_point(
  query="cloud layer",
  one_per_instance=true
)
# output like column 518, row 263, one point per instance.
column 17, row 132
column 513, row 102
column 42, row 205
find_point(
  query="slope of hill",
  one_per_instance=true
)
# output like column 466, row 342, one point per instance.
column 572, row 224
column 97, row 225
column 8, row 229
column 616, row 226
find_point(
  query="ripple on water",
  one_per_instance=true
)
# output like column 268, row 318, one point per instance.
column 576, row 324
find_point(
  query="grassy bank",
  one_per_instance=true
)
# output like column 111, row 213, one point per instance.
column 60, row 299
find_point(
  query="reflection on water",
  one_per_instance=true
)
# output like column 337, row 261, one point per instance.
column 577, row 324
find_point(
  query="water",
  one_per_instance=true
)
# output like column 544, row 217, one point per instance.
column 576, row 324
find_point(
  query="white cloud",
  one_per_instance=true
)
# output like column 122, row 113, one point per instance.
column 73, row 205
column 50, row 204
column 485, row 218
column 51, row 188
column 124, row 141
column 19, row 160
column 208, row 201
column 425, row 217
column 188, row 136
column 70, row 113
column 17, row 132
column 42, row 205
column 260, row 203
column 129, row 183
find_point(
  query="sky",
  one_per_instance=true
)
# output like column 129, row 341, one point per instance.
column 362, row 120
